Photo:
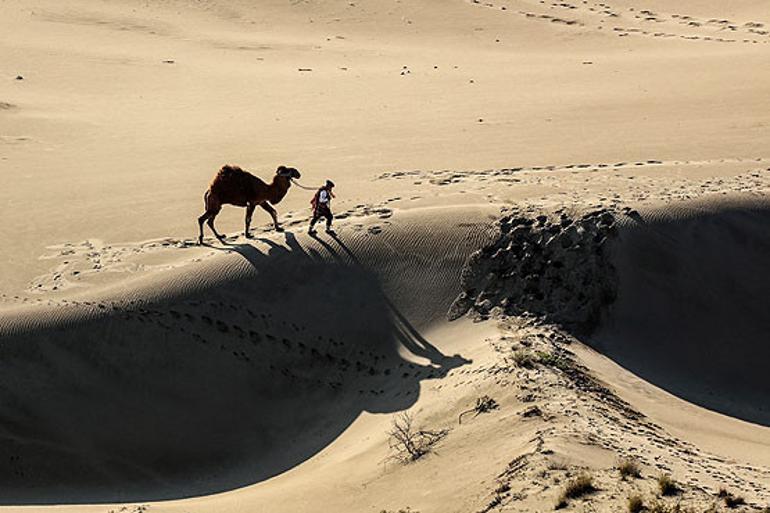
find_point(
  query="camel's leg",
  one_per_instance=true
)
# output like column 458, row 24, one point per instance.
column 270, row 210
column 249, row 211
column 209, row 218
column 201, row 220
column 212, row 209
column 210, row 222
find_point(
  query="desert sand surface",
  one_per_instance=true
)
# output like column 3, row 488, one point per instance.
column 561, row 207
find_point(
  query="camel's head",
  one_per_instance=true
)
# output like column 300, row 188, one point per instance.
column 287, row 172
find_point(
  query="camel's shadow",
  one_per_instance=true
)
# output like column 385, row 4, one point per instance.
column 215, row 388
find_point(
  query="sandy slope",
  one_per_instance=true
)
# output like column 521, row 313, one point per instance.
column 209, row 385
column 267, row 385
column 138, row 366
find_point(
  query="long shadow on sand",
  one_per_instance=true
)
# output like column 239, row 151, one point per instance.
column 222, row 385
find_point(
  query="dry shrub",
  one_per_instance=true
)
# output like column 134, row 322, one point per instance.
column 731, row 501
column 667, row 485
column 629, row 468
column 524, row 358
column 578, row 487
column 407, row 442
column 484, row 404
column 635, row 504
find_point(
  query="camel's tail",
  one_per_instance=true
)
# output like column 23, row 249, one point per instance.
column 206, row 200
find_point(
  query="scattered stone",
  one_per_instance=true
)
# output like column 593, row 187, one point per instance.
column 532, row 411
column 557, row 270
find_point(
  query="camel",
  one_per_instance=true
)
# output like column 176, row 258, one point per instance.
column 234, row 186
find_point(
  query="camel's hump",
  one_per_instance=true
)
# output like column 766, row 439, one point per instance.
column 227, row 169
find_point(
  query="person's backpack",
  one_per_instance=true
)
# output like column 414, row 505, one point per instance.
column 316, row 197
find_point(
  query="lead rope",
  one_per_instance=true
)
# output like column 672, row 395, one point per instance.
column 302, row 186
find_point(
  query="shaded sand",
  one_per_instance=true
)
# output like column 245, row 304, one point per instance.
column 691, row 313
column 279, row 382
column 143, row 373
column 219, row 383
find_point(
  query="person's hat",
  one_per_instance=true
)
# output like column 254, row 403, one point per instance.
column 329, row 183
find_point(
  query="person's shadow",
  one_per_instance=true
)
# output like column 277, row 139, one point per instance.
column 409, row 337
column 249, row 373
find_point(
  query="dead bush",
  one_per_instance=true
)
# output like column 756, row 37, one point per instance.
column 578, row 487
column 667, row 485
column 635, row 504
column 629, row 468
column 408, row 443
column 484, row 404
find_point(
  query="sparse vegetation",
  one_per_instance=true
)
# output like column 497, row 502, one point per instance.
column 575, row 488
column 677, row 507
column 410, row 444
column 667, row 485
column 524, row 358
column 629, row 468
column 484, row 404
column 662, row 507
column 495, row 502
column 532, row 411
column 557, row 465
column 528, row 359
column 730, row 500
column 635, row 504
column 553, row 360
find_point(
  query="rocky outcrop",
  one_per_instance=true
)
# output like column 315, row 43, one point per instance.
column 556, row 268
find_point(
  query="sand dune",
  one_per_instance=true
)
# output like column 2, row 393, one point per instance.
column 224, row 376
column 222, row 383
column 691, row 313
column 588, row 181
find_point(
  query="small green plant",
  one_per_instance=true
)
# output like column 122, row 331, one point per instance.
column 552, row 360
column 575, row 488
column 629, row 468
column 635, row 504
column 667, row 485
column 524, row 358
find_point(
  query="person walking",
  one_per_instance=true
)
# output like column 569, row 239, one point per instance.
column 321, row 204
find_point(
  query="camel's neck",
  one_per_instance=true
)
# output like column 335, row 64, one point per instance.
column 279, row 188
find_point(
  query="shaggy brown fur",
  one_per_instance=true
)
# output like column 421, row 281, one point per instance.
column 234, row 186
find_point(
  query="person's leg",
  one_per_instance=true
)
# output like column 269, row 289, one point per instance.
column 313, row 221
column 329, row 218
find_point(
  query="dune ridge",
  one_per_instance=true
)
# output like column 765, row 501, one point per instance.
column 651, row 289
column 238, row 369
